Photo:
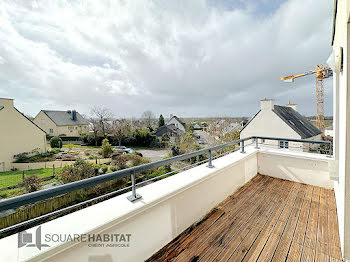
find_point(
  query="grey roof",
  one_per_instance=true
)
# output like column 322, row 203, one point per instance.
column 64, row 118
column 183, row 123
column 296, row 121
column 172, row 129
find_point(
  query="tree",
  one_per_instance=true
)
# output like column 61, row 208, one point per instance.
column 148, row 118
column 161, row 121
column 121, row 128
column 94, row 125
column 106, row 148
column 56, row 142
column 102, row 117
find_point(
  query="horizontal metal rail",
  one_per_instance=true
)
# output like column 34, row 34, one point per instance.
column 30, row 198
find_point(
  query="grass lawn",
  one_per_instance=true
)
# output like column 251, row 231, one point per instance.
column 11, row 178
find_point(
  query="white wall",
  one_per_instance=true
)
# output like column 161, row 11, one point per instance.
column 342, row 127
column 312, row 169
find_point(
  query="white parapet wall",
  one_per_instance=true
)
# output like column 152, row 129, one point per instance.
column 166, row 209
column 307, row 168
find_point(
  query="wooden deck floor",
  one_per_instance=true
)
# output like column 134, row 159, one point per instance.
column 267, row 219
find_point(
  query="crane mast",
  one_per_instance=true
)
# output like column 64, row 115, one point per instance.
column 321, row 72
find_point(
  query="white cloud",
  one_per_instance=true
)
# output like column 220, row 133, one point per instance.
column 184, row 57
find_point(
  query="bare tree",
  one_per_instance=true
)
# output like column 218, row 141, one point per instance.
column 94, row 126
column 103, row 116
column 148, row 118
column 120, row 129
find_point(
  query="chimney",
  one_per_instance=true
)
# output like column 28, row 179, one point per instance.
column 6, row 102
column 74, row 115
column 267, row 104
column 294, row 106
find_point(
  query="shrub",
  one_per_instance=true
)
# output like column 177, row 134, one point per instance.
column 121, row 161
column 175, row 150
column 96, row 167
column 70, row 147
column 106, row 148
column 104, row 168
column 56, row 142
column 100, row 152
column 21, row 158
column 93, row 156
column 31, row 183
column 55, row 150
column 87, row 152
column 113, row 168
column 137, row 160
column 78, row 171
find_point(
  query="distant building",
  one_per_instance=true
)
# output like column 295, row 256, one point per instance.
column 174, row 128
column 62, row 123
column 174, row 120
column 328, row 131
column 280, row 121
column 200, row 125
column 18, row 134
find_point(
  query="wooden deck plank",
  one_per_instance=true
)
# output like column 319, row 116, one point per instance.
column 276, row 234
column 282, row 249
column 333, row 233
column 236, row 235
column 254, row 187
column 296, row 247
column 215, row 236
column 309, row 247
column 280, row 202
column 267, row 219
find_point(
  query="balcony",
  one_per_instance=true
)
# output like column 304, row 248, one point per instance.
column 253, row 204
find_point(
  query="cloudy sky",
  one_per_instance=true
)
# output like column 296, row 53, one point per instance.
column 185, row 57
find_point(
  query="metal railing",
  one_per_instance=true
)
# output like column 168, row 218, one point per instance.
column 34, row 197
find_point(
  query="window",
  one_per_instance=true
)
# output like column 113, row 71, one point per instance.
column 284, row 144
column 51, row 130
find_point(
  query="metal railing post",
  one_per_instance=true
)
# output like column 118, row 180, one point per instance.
column 242, row 147
column 210, row 165
column 134, row 195
column 256, row 143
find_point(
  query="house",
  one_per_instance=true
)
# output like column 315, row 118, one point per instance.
column 171, row 130
column 199, row 125
column 18, row 134
column 174, row 120
column 174, row 128
column 280, row 121
column 62, row 123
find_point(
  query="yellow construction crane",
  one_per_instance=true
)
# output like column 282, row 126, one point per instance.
column 321, row 72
